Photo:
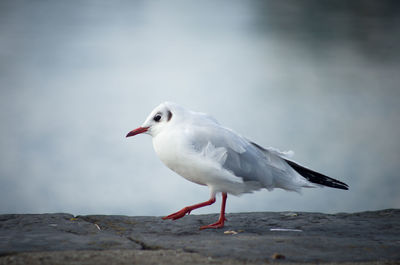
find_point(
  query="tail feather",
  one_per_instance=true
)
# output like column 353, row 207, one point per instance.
column 316, row 177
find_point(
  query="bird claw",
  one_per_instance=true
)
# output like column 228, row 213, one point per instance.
column 188, row 209
column 178, row 214
column 214, row 226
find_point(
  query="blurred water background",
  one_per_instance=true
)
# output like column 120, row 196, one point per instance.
column 317, row 77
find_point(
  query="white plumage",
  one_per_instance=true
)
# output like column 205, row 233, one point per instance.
column 201, row 150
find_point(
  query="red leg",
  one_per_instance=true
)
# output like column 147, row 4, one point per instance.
column 222, row 219
column 188, row 209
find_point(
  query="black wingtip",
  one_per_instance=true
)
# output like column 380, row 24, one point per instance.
column 317, row 178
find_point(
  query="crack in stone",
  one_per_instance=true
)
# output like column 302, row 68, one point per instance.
column 10, row 253
column 144, row 245
column 189, row 250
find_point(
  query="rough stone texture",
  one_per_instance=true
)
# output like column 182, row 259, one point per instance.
column 371, row 237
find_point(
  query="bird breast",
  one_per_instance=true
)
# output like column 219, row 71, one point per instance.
column 177, row 154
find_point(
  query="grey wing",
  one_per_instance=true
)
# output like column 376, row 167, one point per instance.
column 249, row 161
column 263, row 165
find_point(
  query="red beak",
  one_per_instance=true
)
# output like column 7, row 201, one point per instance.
column 137, row 131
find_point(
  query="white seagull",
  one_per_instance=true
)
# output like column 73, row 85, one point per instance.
column 201, row 150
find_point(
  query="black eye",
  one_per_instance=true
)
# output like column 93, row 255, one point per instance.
column 157, row 117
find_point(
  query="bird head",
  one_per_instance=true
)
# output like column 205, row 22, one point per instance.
column 156, row 121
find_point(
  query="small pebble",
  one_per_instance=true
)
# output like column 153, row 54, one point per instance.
column 278, row 256
column 285, row 230
column 290, row 214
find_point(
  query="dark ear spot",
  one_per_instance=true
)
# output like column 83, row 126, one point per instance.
column 169, row 114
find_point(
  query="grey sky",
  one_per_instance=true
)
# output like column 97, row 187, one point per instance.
column 75, row 77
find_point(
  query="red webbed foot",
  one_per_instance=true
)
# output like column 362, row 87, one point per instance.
column 218, row 224
column 178, row 214
column 188, row 209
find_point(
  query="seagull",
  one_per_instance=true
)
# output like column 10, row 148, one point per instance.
column 200, row 149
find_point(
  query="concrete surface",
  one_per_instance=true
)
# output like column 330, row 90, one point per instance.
column 248, row 238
